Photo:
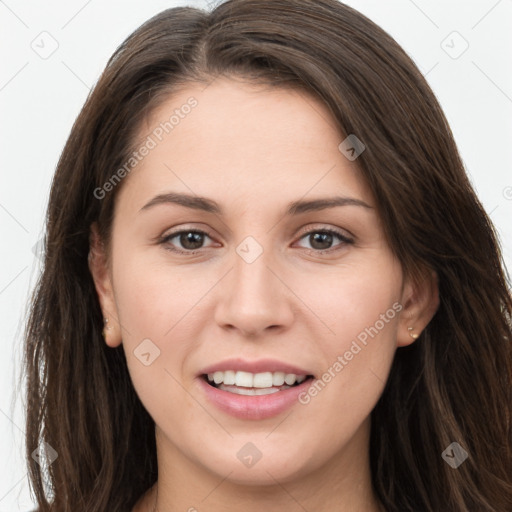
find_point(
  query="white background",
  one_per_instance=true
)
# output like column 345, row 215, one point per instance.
column 40, row 98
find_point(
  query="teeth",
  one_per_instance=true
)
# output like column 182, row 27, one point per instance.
column 251, row 392
column 229, row 377
column 290, row 378
column 263, row 380
column 243, row 379
column 278, row 378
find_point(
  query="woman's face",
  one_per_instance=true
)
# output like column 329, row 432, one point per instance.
column 281, row 283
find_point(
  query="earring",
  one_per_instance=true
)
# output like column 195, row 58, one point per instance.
column 413, row 335
column 106, row 328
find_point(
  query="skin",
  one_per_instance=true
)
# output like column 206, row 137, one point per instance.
column 254, row 150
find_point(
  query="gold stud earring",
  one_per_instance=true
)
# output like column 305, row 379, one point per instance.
column 106, row 328
column 413, row 335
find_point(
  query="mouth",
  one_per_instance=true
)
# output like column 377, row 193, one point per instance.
column 254, row 384
column 253, row 390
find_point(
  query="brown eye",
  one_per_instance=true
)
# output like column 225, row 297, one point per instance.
column 189, row 240
column 322, row 239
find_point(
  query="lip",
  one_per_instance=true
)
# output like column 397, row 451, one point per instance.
column 259, row 366
column 248, row 407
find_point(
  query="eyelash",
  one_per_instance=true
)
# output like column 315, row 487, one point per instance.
column 344, row 239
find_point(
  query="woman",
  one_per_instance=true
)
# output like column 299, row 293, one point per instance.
column 268, row 282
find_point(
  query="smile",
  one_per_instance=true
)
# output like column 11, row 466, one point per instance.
column 253, row 396
column 253, row 384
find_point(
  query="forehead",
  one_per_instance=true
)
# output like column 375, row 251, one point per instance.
column 233, row 139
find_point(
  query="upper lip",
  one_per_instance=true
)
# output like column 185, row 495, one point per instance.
column 258, row 366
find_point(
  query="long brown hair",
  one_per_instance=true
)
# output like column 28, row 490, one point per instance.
column 454, row 384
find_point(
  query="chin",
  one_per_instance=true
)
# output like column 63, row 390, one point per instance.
column 266, row 467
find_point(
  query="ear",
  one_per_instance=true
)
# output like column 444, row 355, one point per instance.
column 102, row 278
column 420, row 299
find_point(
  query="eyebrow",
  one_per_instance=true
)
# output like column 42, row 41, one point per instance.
column 210, row 206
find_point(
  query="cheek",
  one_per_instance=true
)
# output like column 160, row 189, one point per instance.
column 352, row 300
column 154, row 308
column 153, row 298
column 361, row 308
column 152, row 305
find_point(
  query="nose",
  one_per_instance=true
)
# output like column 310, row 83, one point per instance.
column 254, row 298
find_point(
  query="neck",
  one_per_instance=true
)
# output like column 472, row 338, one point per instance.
column 342, row 484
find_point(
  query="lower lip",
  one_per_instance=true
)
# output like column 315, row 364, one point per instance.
column 254, row 407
